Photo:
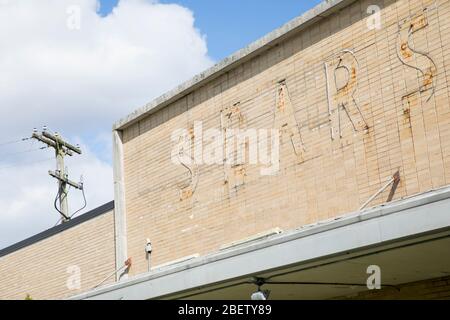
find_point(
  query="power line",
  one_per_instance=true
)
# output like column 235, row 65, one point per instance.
column 76, row 212
column 21, row 152
column 83, row 207
column 23, row 164
column 7, row 143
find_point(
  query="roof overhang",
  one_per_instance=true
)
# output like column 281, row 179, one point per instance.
column 405, row 223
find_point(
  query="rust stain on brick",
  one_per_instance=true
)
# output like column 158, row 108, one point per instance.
column 418, row 22
column 240, row 173
column 281, row 103
column 408, row 101
column 233, row 112
column 407, row 113
column 405, row 51
column 347, row 90
column 428, row 78
column 407, row 116
column 186, row 194
column 236, row 177
column 191, row 132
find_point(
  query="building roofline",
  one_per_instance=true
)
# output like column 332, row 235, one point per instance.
column 273, row 38
column 58, row 229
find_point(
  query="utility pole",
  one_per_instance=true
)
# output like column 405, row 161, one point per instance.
column 62, row 148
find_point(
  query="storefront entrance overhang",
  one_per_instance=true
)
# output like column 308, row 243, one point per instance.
column 407, row 239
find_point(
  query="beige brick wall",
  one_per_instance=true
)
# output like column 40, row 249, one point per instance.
column 435, row 289
column 406, row 111
column 43, row 269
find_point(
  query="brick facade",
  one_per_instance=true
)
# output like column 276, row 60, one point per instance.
column 354, row 105
column 44, row 269
column 344, row 150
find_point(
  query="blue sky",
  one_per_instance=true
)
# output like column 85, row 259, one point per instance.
column 233, row 24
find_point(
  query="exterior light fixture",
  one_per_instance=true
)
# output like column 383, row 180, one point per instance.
column 260, row 295
column 148, row 250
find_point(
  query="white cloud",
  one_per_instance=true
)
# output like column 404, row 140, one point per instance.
column 79, row 82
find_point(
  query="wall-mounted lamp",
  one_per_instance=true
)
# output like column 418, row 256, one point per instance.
column 260, row 294
column 148, row 250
